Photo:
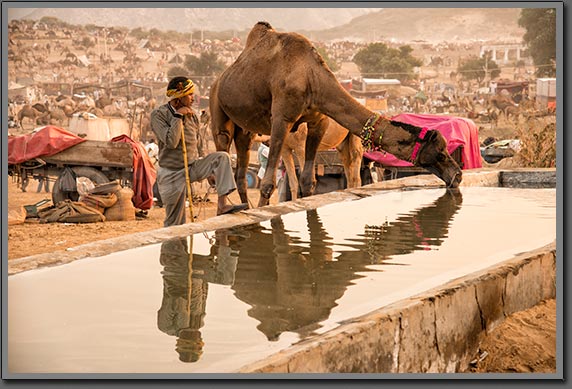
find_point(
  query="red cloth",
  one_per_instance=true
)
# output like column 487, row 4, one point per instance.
column 47, row 141
column 144, row 174
column 458, row 131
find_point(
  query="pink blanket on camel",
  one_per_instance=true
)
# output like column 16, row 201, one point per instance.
column 458, row 132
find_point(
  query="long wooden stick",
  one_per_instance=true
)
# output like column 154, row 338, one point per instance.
column 187, row 176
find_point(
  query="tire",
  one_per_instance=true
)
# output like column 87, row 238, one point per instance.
column 80, row 171
column 252, row 180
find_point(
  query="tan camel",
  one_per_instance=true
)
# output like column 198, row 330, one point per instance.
column 349, row 147
column 280, row 81
column 31, row 113
column 57, row 115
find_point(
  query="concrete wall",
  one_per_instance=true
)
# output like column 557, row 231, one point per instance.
column 435, row 332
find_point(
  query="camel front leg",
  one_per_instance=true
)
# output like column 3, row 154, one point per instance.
column 280, row 129
column 351, row 151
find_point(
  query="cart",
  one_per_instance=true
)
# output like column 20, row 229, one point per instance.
column 99, row 161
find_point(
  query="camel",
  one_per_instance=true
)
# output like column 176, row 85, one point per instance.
column 349, row 147
column 104, row 101
column 112, row 110
column 31, row 113
column 57, row 116
column 280, row 81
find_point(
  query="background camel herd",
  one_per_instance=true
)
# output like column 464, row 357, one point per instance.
column 38, row 56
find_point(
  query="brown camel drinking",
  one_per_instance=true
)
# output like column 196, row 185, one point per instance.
column 348, row 145
column 280, row 81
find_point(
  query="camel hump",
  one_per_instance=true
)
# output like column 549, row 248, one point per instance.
column 264, row 25
column 258, row 31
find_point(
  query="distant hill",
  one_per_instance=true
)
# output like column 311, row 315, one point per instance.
column 208, row 19
column 431, row 24
column 325, row 24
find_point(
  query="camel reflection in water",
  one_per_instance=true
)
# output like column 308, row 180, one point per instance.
column 291, row 284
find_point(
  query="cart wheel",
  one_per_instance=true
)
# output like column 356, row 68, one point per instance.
column 252, row 179
column 80, row 171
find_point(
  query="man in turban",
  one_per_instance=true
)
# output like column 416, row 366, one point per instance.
column 168, row 122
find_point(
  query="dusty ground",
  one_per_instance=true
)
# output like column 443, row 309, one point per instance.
column 525, row 342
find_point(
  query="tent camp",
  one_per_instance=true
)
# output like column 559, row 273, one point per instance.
column 15, row 90
column 83, row 61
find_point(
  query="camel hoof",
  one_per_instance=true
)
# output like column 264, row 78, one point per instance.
column 263, row 201
column 266, row 192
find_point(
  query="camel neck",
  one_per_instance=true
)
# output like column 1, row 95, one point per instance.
column 337, row 103
column 413, row 130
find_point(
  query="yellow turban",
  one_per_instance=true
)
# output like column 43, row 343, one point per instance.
column 183, row 88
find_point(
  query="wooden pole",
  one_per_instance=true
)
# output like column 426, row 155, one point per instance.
column 187, row 177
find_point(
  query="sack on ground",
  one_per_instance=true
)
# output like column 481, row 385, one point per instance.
column 100, row 202
column 16, row 215
column 68, row 211
column 123, row 209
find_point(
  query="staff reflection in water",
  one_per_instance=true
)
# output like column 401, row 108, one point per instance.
column 292, row 284
column 182, row 310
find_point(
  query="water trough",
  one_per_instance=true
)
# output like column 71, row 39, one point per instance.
column 397, row 276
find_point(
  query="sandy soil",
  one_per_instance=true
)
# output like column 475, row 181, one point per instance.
column 524, row 342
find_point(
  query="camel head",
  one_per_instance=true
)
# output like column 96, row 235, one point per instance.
column 430, row 152
column 421, row 146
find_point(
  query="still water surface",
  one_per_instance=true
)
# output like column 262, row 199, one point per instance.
column 217, row 301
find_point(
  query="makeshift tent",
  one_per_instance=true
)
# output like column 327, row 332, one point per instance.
column 143, row 43
column 15, row 90
column 458, row 132
column 83, row 60
column 177, row 59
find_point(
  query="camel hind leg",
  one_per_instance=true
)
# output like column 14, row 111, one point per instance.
column 243, row 143
column 224, row 132
column 294, row 145
column 288, row 160
column 316, row 131
column 222, row 128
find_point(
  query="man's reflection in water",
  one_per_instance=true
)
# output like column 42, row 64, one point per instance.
column 185, row 289
column 182, row 310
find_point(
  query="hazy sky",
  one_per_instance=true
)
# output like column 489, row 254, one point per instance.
column 15, row 13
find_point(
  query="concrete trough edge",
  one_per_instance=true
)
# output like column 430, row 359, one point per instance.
column 437, row 331
column 475, row 177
